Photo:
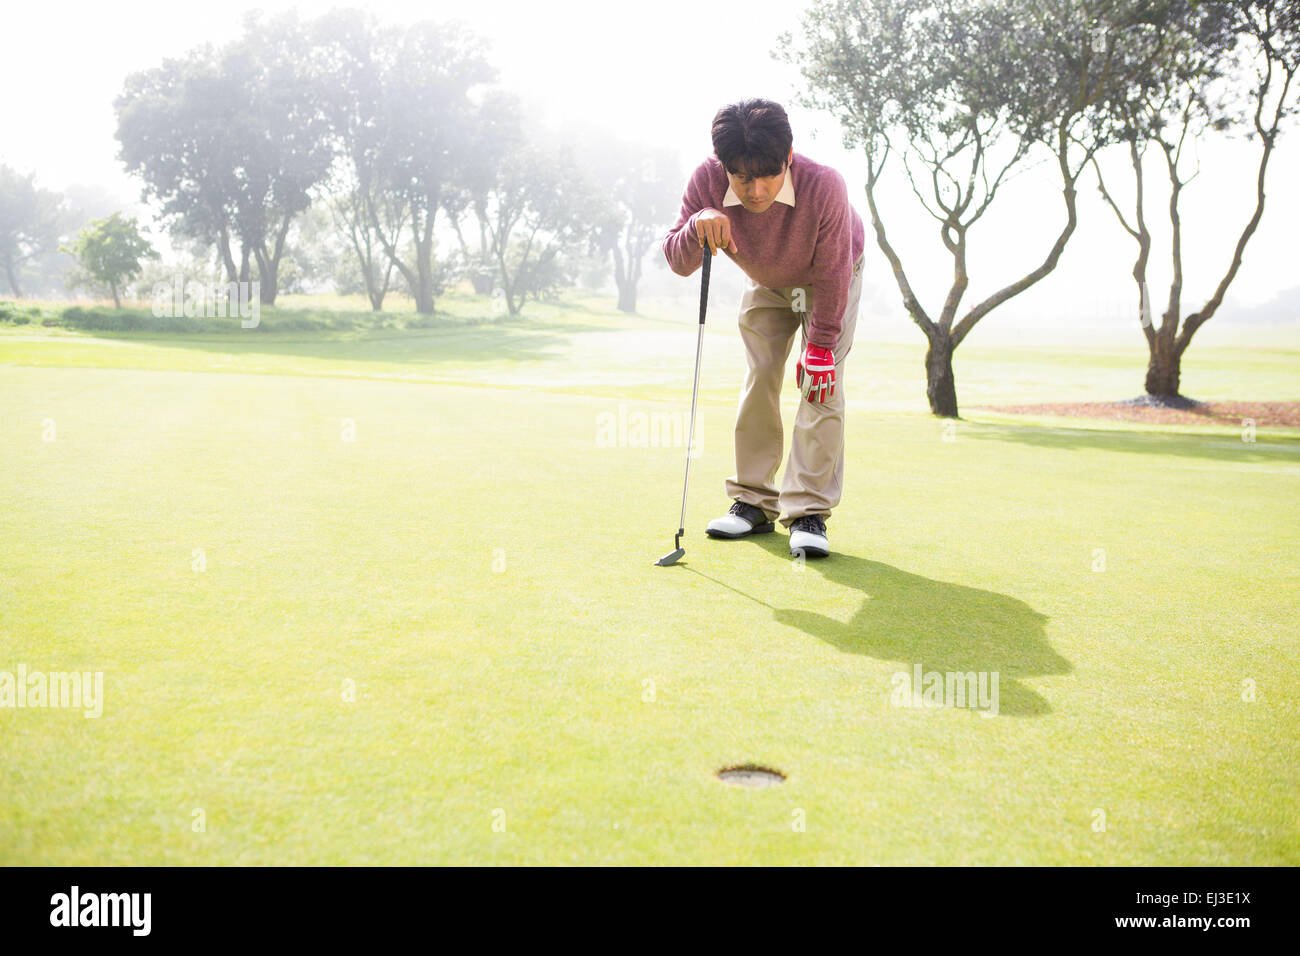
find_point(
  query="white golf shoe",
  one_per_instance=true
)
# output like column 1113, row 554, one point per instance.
column 808, row 537
column 742, row 520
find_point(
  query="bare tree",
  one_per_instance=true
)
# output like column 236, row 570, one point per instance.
column 962, row 92
column 1212, row 48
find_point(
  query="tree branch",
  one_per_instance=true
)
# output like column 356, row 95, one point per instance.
column 910, row 302
column 977, row 312
column 1269, row 137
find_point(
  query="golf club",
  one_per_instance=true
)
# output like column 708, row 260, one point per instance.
column 678, row 551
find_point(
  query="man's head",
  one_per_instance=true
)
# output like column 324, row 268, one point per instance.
column 752, row 139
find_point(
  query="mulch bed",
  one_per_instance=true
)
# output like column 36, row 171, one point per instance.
column 1286, row 414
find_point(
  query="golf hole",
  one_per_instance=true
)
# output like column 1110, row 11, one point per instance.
column 750, row 775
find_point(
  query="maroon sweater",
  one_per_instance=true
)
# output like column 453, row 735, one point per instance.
column 813, row 243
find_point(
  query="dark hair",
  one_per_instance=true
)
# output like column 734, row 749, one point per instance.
column 752, row 137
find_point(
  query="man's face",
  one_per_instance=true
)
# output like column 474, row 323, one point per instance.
column 758, row 193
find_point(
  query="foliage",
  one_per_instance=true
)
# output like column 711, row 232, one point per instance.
column 30, row 219
column 541, row 207
column 109, row 252
column 230, row 142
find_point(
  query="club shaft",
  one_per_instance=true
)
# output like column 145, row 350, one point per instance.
column 705, row 269
column 690, row 441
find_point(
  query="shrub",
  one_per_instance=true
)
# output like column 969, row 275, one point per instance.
column 18, row 315
column 97, row 320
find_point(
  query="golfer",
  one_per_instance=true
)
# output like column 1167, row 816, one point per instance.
column 787, row 222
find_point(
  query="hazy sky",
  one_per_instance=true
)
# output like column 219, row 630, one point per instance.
column 658, row 72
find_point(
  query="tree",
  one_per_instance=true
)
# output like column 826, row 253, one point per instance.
column 496, row 130
column 47, row 275
column 30, row 219
column 311, row 252
column 109, row 252
column 347, row 65
column 174, row 127
column 353, row 211
column 637, row 183
column 540, row 207
column 423, row 128
column 231, row 142
column 284, row 137
column 1181, row 99
column 963, row 92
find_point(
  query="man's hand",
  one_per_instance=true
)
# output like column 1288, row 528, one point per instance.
column 815, row 374
column 713, row 229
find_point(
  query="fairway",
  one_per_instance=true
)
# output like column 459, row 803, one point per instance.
column 389, row 599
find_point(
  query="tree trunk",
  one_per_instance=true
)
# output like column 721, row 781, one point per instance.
column 378, row 301
column 117, row 301
column 513, row 303
column 268, row 264
column 375, row 291
column 424, row 254
column 627, row 297
column 424, row 288
column 364, row 248
column 227, row 259
column 940, row 385
column 268, row 270
column 12, row 275
column 1164, row 367
column 268, row 278
column 626, row 286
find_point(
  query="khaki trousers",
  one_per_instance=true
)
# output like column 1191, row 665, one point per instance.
column 814, row 474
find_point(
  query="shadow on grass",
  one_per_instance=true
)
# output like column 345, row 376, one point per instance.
column 914, row 620
column 450, row 340
column 414, row 348
column 1273, row 449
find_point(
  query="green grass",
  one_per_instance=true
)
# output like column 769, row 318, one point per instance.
column 477, row 563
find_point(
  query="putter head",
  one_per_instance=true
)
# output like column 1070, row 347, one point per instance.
column 670, row 558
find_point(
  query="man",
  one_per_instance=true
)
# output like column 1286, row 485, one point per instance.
column 787, row 222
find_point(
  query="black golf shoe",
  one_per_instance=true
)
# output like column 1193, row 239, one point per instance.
column 742, row 520
column 808, row 537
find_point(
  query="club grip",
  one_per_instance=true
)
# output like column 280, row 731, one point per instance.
column 704, row 282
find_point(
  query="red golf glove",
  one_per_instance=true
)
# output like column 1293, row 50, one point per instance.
column 815, row 374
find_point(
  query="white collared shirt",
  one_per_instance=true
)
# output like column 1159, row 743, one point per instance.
column 786, row 195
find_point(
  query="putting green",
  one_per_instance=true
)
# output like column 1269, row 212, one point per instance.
column 392, row 600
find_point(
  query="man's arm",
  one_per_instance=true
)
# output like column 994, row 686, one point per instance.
column 832, row 265
column 682, row 245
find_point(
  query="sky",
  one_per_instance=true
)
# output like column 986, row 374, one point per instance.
column 657, row 73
